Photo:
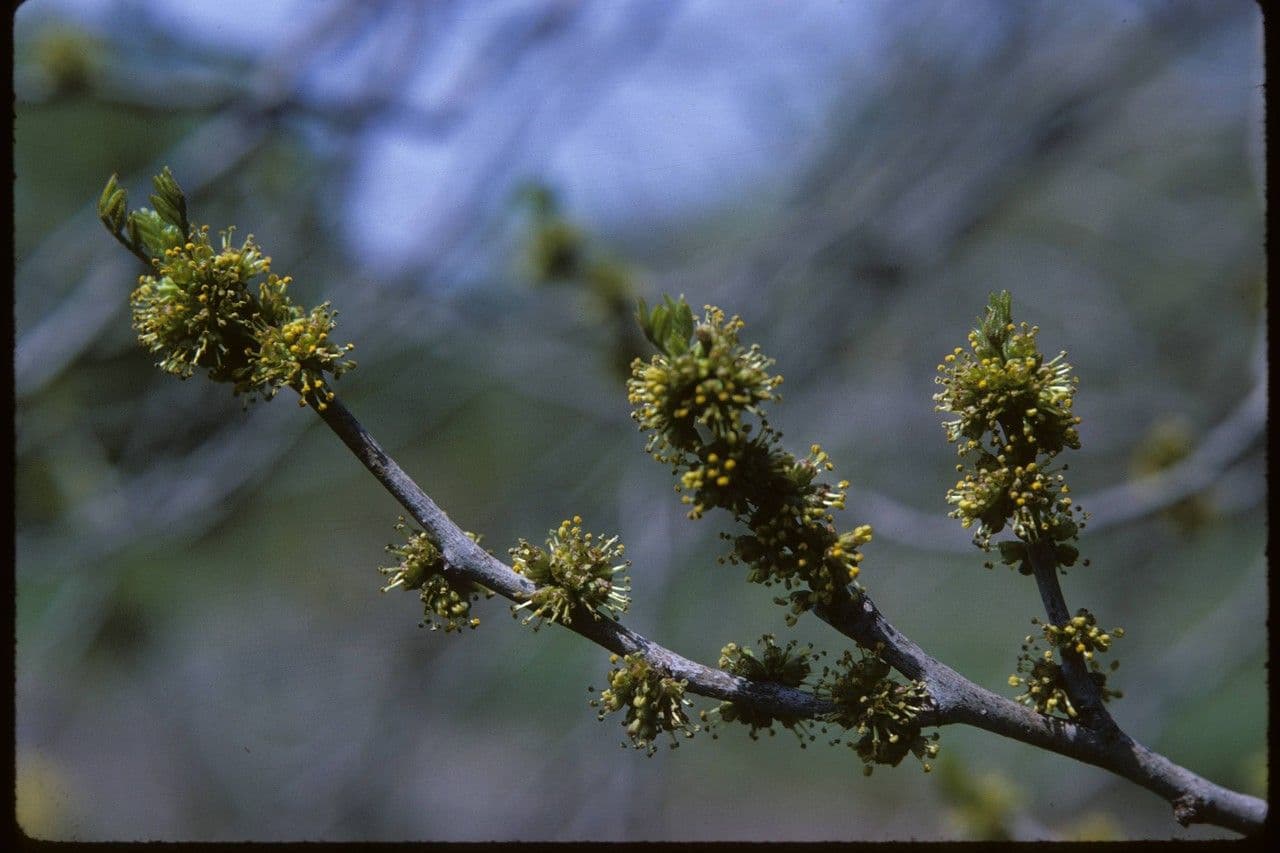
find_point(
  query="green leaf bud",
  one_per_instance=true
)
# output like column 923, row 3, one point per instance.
column 170, row 201
column 112, row 205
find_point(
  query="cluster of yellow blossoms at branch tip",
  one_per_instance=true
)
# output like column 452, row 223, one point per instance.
column 221, row 309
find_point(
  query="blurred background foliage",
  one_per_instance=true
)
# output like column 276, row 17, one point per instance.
column 202, row 651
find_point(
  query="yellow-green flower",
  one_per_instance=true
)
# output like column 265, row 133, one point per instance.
column 701, row 398
column 789, row 666
column 576, row 569
column 1014, row 415
column 703, row 378
column 879, row 712
column 420, row 566
column 1040, row 675
column 1082, row 634
column 220, row 309
column 653, row 702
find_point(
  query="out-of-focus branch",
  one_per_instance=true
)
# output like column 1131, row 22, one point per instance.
column 1221, row 447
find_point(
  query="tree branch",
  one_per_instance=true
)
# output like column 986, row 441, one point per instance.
column 1082, row 689
column 955, row 699
column 467, row 560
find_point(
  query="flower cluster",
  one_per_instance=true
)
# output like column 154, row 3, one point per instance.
column 789, row 666
column 879, row 711
column 701, row 378
column 1013, row 416
column 575, row 570
column 1044, row 686
column 200, row 310
column 420, row 567
column 1081, row 634
column 701, row 399
column 654, row 702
